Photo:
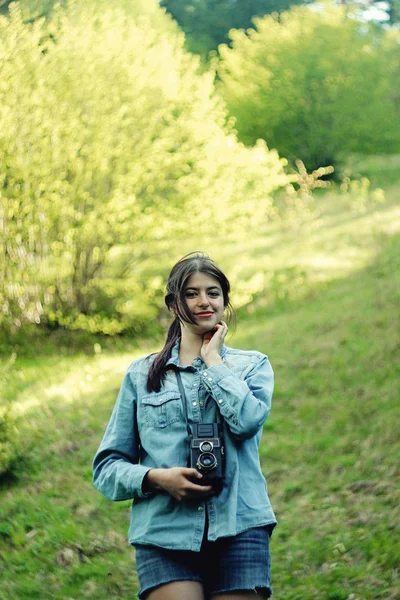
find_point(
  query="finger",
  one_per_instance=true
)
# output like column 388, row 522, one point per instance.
column 189, row 472
column 199, row 491
column 219, row 329
column 222, row 332
column 194, row 487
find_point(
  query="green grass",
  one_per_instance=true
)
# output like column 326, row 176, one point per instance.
column 330, row 449
column 382, row 170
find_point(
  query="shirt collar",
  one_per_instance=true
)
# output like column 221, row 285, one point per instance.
column 174, row 358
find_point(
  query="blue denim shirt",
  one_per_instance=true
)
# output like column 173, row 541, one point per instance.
column 148, row 430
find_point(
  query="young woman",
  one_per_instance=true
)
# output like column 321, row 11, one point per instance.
column 201, row 517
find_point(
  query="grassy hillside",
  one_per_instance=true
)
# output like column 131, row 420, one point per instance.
column 330, row 449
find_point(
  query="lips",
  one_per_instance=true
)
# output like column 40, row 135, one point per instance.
column 204, row 315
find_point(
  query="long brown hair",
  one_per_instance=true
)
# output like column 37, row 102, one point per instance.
column 195, row 262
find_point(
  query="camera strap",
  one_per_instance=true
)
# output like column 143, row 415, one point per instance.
column 184, row 402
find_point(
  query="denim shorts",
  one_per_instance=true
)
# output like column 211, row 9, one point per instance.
column 241, row 562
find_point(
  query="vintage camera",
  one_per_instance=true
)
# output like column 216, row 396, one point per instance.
column 207, row 454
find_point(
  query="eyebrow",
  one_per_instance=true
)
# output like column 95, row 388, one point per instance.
column 213, row 287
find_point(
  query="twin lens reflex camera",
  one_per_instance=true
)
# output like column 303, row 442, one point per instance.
column 207, row 453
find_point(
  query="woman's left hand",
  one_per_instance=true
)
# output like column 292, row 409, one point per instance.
column 212, row 344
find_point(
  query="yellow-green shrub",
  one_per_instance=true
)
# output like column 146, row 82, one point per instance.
column 112, row 148
column 315, row 84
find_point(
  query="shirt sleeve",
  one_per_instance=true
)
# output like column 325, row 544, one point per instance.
column 117, row 473
column 244, row 402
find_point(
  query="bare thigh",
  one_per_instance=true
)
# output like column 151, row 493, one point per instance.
column 184, row 590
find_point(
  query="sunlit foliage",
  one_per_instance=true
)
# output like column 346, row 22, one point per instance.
column 110, row 143
column 316, row 85
column 34, row 9
column 206, row 23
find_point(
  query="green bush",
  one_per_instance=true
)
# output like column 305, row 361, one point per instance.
column 110, row 157
column 112, row 162
column 316, row 85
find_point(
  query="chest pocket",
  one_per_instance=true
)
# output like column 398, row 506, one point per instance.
column 162, row 409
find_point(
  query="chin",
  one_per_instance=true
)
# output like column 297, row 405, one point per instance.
column 204, row 328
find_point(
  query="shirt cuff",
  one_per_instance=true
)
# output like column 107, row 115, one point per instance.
column 137, row 482
column 214, row 374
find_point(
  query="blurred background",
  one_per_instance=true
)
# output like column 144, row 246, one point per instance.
column 267, row 134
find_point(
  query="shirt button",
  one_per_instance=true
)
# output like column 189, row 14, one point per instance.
column 194, row 403
column 201, row 404
column 210, row 379
column 220, row 400
column 195, row 385
column 199, row 508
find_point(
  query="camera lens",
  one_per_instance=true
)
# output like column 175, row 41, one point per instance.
column 206, row 446
column 206, row 461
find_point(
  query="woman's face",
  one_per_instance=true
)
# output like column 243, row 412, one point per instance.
column 205, row 300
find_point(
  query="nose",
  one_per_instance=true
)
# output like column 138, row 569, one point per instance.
column 203, row 299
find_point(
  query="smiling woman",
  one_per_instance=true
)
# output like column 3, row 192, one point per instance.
column 183, row 442
column 205, row 300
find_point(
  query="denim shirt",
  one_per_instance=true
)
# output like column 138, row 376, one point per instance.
column 148, row 430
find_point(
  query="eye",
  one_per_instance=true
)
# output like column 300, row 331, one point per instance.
column 190, row 294
column 214, row 294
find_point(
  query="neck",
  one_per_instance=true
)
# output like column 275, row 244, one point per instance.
column 190, row 346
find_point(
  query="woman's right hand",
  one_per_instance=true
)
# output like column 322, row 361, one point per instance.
column 177, row 481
